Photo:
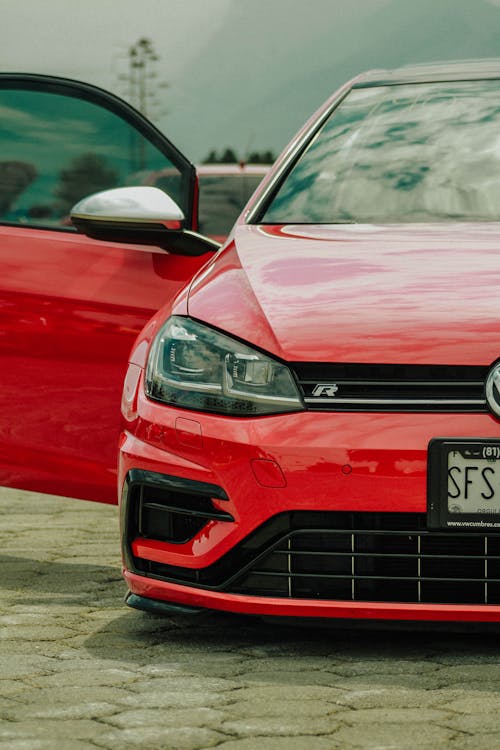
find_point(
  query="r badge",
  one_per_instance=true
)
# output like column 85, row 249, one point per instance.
column 326, row 389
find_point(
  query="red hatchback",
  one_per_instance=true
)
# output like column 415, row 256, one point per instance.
column 312, row 426
column 312, row 423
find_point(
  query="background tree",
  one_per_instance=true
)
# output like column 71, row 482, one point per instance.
column 261, row 157
column 229, row 156
column 142, row 79
column 211, row 158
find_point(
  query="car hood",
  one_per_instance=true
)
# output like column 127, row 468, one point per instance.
column 427, row 294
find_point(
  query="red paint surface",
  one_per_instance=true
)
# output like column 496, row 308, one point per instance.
column 387, row 454
column 421, row 294
column 427, row 294
column 71, row 308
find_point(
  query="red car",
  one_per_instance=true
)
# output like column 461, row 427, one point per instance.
column 311, row 424
column 223, row 191
column 71, row 307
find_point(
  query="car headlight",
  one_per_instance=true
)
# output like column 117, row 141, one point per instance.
column 195, row 367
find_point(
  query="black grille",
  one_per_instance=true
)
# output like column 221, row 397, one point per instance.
column 384, row 558
column 380, row 387
column 379, row 557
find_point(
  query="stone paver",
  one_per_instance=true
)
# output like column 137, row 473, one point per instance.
column 78, row 670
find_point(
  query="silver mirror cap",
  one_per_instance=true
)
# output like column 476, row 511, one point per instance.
column 135, row 204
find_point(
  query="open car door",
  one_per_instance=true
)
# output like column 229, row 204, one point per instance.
column 72, row 306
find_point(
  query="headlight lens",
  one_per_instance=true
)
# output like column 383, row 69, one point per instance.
column 193, row 366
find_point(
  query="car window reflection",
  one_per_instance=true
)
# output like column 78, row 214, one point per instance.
column 415, row 152
column 55, row 150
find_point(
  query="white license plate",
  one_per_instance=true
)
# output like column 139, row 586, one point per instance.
column 473, row 483
column 464, row 484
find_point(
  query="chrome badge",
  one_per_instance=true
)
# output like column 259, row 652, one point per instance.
column 329, row 390
column 493, row 390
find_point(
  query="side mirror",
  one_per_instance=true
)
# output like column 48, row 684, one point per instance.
column 144, row 215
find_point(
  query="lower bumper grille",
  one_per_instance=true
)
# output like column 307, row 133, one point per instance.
column 356, row 563
column 379, row 557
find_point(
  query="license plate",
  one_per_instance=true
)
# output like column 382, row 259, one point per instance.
column 464, row 484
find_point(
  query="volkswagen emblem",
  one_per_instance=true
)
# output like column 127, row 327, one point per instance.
column 493, row 389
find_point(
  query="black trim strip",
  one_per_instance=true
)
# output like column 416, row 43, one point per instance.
column 168, row 482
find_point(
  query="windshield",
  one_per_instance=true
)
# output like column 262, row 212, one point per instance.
column 400, row 153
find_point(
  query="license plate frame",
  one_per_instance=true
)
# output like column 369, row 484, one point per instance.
column 452, row 503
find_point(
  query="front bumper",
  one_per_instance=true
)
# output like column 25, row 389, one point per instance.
column 159, row 591
column 306, row 515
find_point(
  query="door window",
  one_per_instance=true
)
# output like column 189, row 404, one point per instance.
column 61, row 141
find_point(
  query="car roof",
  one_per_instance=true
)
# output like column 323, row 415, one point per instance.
column 452, row 70
column 231, row 169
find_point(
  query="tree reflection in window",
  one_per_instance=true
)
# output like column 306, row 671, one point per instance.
column 55, row 149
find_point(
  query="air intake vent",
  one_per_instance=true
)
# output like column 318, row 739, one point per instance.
column 170, row 509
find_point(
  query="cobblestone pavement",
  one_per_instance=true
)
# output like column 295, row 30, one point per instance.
column 80, row 670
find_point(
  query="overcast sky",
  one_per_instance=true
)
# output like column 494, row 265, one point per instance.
column 241, row 73
column 88, row 39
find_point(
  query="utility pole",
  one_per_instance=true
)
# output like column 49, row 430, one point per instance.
column 142, row 58
column 143, row 85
